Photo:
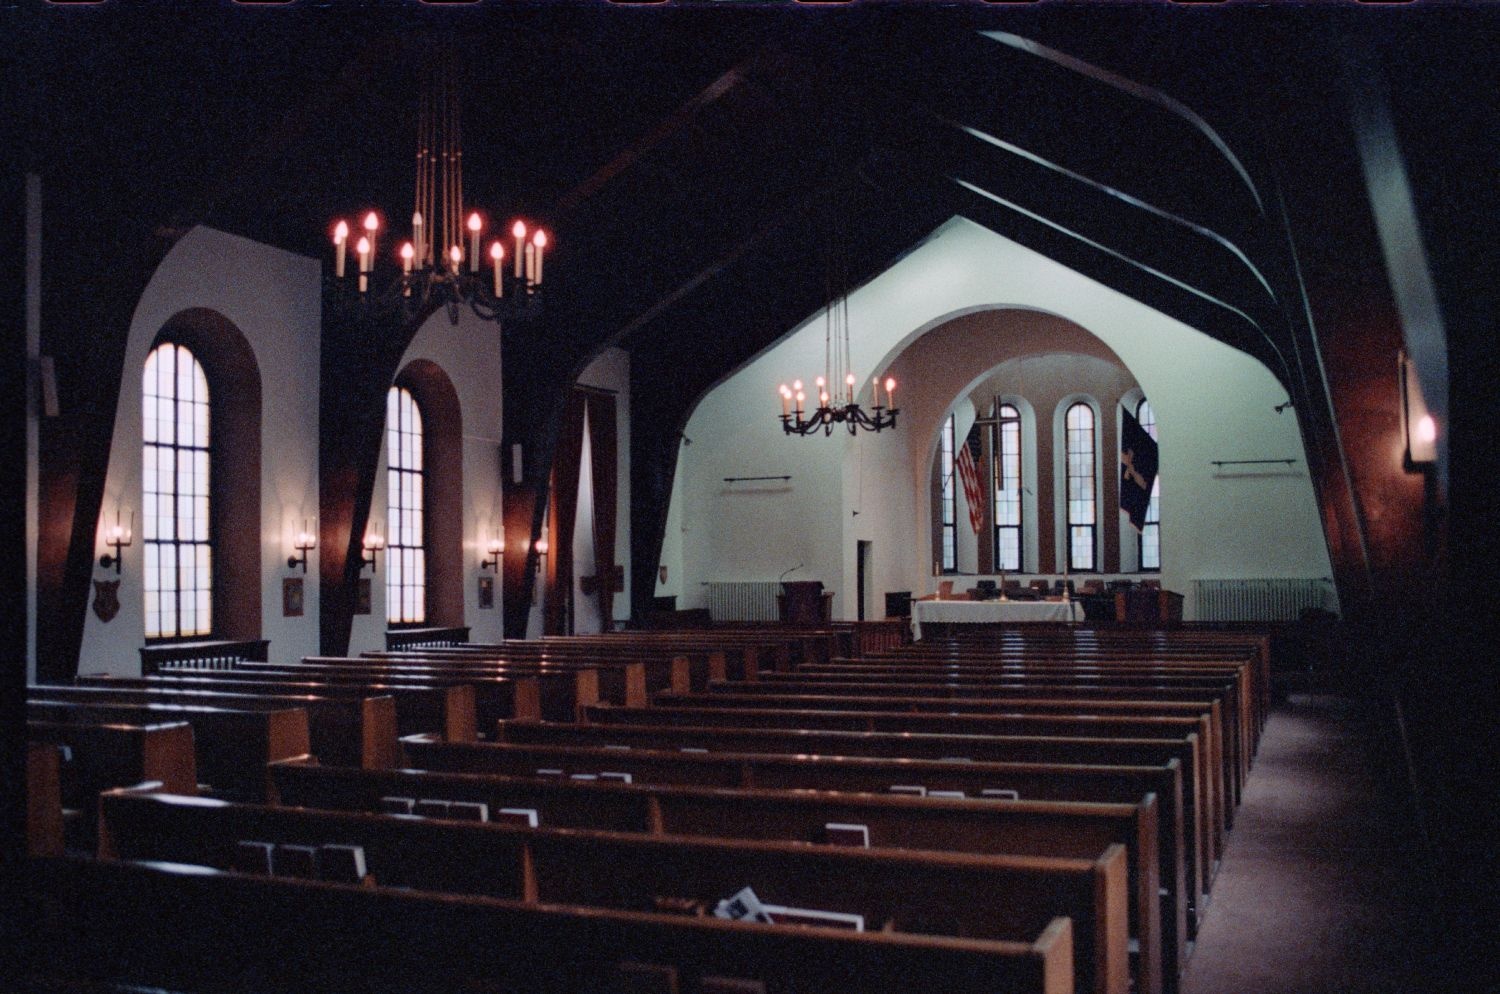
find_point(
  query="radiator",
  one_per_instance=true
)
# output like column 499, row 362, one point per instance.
column 743, row 601
column 1260, row 600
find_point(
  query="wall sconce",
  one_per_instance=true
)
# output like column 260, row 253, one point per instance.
column 305, row 541
column 1418, row 427
column 541, row 544
column 373, row 543
column 496, row 549
column 117, row 536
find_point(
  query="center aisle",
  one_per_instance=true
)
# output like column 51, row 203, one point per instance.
column 1322, row 886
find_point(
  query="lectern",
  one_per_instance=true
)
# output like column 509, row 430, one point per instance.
column 803, row 602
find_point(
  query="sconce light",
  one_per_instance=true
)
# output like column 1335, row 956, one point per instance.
column 117, row 536
column 373, row 543
column 306, row 540
column 1418, row 427
column 496, row 549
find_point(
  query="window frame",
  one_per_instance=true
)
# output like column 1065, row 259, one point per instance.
column 400, row 399
column 201, row 414
column 1069, row 524
column 998, row 431
column 948, row 495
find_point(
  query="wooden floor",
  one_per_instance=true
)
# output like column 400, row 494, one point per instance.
column 1323, row 886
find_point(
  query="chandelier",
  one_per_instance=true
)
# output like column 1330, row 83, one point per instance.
column 442, row 264
column 835, row 388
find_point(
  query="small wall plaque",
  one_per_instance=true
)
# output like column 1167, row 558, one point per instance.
column 486, row 593
column 291, row 596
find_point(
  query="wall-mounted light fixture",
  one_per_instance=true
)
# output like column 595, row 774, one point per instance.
column 373, row 543
column 495, row 548
column 1418, row 427
column 541, row 544
column 304, row 541
column 117, row 536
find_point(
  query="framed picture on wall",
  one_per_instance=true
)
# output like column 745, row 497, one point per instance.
column 291, row 596
column 362, row 596
column 487, row 592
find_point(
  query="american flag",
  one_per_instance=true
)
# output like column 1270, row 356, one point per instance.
column 968, row 471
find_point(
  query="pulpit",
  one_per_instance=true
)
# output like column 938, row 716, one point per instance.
column 803, row 602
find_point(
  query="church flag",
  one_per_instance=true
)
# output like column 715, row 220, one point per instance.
column 968, row 470
column 1137, row 468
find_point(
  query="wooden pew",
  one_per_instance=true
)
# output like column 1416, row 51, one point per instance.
column 1200, row 762
column 623, row 676
column 107, row 920
column 446, row 709
column 103, row 756
column 1218, row 743
column 350, row 731
column 498, row 688
column 44, row 809
column 913, row 745
column 227, row 749
column 928, row 893
column 1032, row 828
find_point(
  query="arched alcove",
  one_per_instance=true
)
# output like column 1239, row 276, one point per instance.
column 234, row 385
column 442, row 450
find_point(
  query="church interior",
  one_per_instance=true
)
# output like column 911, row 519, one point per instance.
column 1008, row 481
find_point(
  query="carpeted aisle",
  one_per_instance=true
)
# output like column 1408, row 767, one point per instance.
column 1322, row 886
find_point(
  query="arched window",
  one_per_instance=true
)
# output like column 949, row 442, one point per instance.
column 406, row 581
column 949, row 497
column 1082, row 492
column 176, row 525
column 1150, row 536
column 1006, row 473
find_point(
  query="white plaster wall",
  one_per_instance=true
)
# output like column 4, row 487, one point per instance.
column 1212, row 402
column 272, row 297
column 469, row 353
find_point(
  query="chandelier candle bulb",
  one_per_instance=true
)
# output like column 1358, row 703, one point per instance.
column 474, row 225
column 540, row 241
column 407, row 253
column 519, row 230
column 497, row 253
column 372, row 225
column 786, row 400
column 849, row 382
column 890, row 392
column 455, row 256
column 416, row 238
column 364, row 264
column 530, row 264
column 341, row 245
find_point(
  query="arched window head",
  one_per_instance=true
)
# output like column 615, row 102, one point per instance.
column 1150, row 536
column 1082, row 491
column 1006, row 472
column 406, row 577
column 176, row 514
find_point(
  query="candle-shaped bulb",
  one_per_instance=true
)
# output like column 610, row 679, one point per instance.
column 1426, row 429
column 363, row 246
column 340, row 242
column 797, row 386
column 539, row 239
column 474, row 222
column 518, row 229
column 455, row 256
column 820, row 383
column 407, row 254
column 341, row 233
column 372, row 222
column 890, row 388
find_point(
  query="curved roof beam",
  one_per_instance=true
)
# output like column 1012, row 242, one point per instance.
column 1138, row 90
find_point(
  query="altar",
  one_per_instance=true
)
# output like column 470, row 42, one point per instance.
column 991, row 613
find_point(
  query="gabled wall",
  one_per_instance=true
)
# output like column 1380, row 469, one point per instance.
column 1212, row 403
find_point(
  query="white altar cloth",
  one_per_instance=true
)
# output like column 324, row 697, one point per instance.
column 991, row 612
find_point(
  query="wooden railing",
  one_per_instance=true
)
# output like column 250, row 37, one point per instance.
column 217, row 654
column 425, row 638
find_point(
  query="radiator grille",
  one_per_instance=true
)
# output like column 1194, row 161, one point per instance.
column 743, row 601
column 1260, row 599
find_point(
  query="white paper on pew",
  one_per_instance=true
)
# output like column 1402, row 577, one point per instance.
column 584, row 776
column 517, row 816
column 619, row 777
column 946, row 793
column 743, row 906
column 917, row 790
column 782, row 915
column 691, row 749
column 956, row 759
column 1000, row 793
column 617, row 747
column 846, row 834
column 548, row 772
column 469, row 811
